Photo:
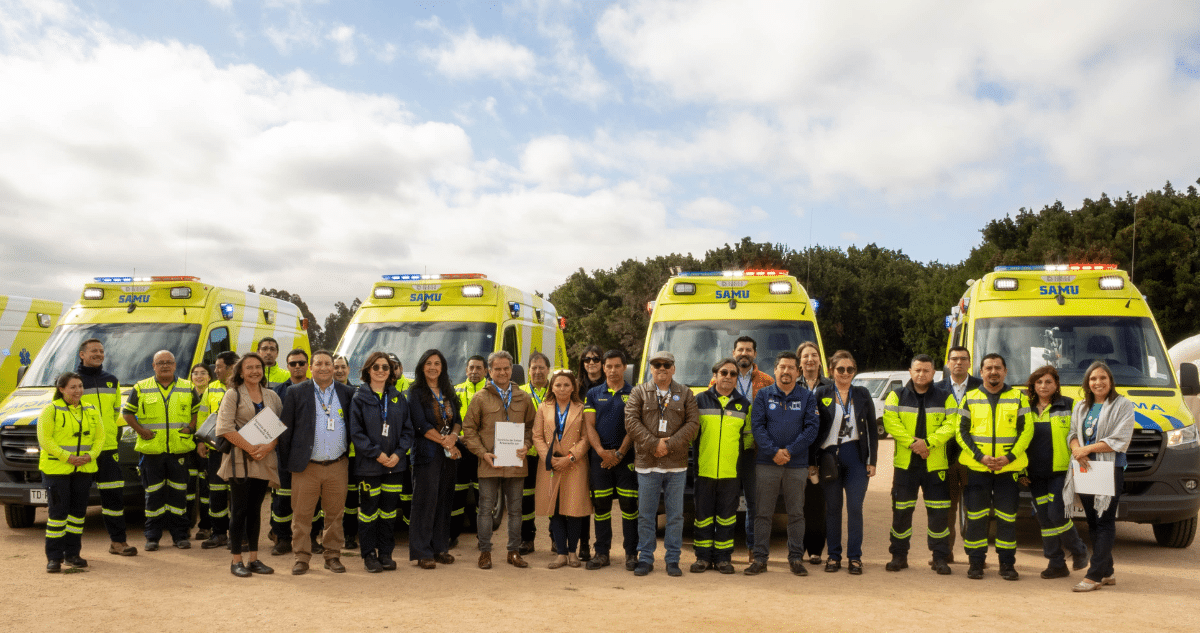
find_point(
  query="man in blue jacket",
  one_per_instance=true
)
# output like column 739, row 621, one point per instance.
column 784, row 420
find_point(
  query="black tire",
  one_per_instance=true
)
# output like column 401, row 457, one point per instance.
column 882, row 433
column 1178, row 534
column 19, row 516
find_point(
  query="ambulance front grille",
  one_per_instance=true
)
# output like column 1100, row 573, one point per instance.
column 14, row 440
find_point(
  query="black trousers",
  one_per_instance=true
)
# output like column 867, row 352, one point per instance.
column 906, row 483
column 814, row 518
column 67, row 496
column 111, row 484
column 165, row 480
column 988, row 492
column 245, row 512
column 218, row 494
column 528, row 498
column 378, row 500
column 622, row 482
column 1102, row 528
column 350, row 514
column 466, row 491
column 433, row 496
column 716, row 518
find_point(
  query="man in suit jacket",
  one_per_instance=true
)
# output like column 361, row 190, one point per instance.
column 314, row 449
column 957, row 383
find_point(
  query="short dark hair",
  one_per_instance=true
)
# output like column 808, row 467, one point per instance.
column 321, row 352
column 83, row 345
column 922, row 358
column 538, row 356
column 297, row 352
column 787, row 356
column 993, row 355
column 746, row 339
column 229, row 357
column 959, row 348
column 266, row 339
column 478, row 358
column 63, row 380
column 728, row 360
column 616, row 353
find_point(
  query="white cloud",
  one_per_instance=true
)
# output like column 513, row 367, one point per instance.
column 343, row 37
column 715, row 212
column 469, row 56
column 222, row 4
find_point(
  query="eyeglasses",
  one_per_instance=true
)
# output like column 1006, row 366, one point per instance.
column 658, row 364
column 381, row 368
column 164, row 362
column 591, row 359
column 297, row 363
column 846, row 370
column 726, row 372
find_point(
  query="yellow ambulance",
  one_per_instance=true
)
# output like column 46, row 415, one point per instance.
column 25, row 324
column 1069, row 316
column 459, row 314
column 134, row 318
column 697, row 316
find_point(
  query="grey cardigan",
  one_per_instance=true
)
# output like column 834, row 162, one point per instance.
column 1115, row 428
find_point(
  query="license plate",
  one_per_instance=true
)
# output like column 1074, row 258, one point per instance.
column 38, row 496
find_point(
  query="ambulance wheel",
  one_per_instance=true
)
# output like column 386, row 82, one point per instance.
column 1178, row 534
column 19, row 516
column 882, row 433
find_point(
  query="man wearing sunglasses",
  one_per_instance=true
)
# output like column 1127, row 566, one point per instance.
column 661, row 418
column 723, row 413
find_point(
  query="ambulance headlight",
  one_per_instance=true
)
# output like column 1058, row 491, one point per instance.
column 1005, row 283
column 684, row 288
column 384, row 292
column 1181, row 437
column 93, row 293
column 780, row 287
column 1112, row 283
column 472, row 290
column 181, row 292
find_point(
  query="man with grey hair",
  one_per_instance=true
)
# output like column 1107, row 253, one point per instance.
column 498, row 402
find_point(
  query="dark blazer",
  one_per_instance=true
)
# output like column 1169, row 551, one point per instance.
column 864, row 420
column 300, row 417
column 366, row 431
column 424, row 418
column 947, row 385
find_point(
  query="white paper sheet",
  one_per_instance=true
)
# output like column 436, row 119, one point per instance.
column 262, row 428
column 1098, row 480
column 510, row 438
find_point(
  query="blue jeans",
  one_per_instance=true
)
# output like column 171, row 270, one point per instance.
column 852, row 480
column 649, row 487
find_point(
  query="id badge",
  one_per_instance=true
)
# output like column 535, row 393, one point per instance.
column 329, row 424
column 385, row 429
column 662, row 425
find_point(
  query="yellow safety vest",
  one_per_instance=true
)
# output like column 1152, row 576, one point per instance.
column 72, row 431
column 166, row 419
column 1005, row 433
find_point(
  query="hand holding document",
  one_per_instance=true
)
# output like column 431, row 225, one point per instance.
column 262, row 428
column 510, row 438
column 1097, row 480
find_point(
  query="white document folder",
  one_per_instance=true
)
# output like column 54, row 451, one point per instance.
column 1098, row 480
column 262, row 428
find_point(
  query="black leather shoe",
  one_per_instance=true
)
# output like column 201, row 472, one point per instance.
column 756, row 568
column 674, row 570
column 630, row 562
column 281, row 548
column 941, row 567
column 975, row 571
column 258, row 567
column 444, row 558
column 53, row 566
column 725, row 567
column 598, row 561
column 585, row 553
column 856, row 567
column 372, row 565
column 897, row 563
column 815, row 559
column 832, row 565
column 642, row 569
column 239, row 570
column 798, row 567
column 183, row 544
column 351, row 543
column 526, row 548
column 387, row 563
column 151, row 546
column 75, row 562
column 699, row 567
column 1055, row 571
column 1009, row 572
column 1079, row 562
column 215, row 541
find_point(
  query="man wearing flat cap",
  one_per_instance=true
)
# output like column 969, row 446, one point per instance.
column 661, row 418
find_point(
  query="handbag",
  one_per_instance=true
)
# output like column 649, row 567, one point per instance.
column 207, row 432
column 828, row 468
column 220, row 443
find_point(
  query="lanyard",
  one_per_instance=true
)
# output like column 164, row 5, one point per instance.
column 383, row 406
column 165, row 393
column 440, row 406
column 537, row 400
column 562, row 419
column 324, row 404
column 505, row 397
column 844, row 432
column 744, row 385
column 662, row 403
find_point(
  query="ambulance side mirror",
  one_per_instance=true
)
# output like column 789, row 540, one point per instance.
column 629, row 369
column 1189, row 379
column 21, row 373
column 518, row 375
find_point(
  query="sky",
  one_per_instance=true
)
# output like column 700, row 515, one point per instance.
column 315, row 145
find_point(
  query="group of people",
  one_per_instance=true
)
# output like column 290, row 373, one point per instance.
column 353, row 458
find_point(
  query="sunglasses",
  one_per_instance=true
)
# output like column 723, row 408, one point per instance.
column 297, row 363
column 726, row 372
column 591, row 359
column 662, row 365
column 846, row 370
column 381, row 368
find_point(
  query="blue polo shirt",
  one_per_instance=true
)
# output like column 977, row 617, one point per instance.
column 784, row 421
column 609, row 407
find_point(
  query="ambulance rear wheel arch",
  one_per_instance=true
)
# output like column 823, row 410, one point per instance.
column 19, row 516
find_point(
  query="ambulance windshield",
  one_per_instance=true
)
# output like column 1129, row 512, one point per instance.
column 456, row 340
column 1128, row 345
column 698, row 344
column 128, row 350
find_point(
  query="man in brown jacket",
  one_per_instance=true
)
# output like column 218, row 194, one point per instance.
column 661, row 417
column 499, row 402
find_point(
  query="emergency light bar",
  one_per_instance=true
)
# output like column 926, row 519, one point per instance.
column 750, row 272
column 1056, row 267
column 128, row 280
column 420, row 277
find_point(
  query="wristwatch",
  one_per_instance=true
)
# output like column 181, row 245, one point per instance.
column 572, row 456
column 620, row 455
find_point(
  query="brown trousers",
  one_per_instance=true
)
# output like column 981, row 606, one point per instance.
column 327, row 483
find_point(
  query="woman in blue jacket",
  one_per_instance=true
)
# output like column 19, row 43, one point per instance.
column 382, row 432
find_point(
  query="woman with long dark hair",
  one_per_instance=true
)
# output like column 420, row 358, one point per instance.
column 434, row 409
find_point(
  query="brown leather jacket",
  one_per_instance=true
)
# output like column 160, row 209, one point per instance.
column 641, row 423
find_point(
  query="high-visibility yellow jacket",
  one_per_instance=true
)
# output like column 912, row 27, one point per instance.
column 995, row 430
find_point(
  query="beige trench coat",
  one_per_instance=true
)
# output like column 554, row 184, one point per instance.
column 570, row 487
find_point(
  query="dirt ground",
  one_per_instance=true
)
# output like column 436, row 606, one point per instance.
column 1157, row 589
